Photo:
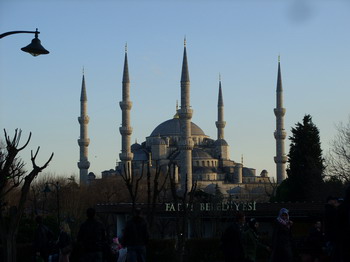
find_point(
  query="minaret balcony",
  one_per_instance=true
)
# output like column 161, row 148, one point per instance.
column 279, row 112
column 84, row 164
column 185, row 113
column 125, row 130
column 84, row 142
column 83, row 119
column 280, row 134
column 125, row 105
column 126, row 156
column 220, row 124
column 280, row 159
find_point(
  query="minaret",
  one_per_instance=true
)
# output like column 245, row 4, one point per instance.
column 83, row 141
column 185, row 115
column 280, row 133
column 220, row 124
column 126, row 130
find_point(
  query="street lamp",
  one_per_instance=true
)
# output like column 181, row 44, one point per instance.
column 34, row 48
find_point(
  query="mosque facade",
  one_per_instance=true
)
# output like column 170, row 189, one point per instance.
column 195, row 157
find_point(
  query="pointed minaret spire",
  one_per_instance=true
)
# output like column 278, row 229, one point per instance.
column 83, row 141
column 185, row 76
column 126, row 68
column 83, row 96
column 280, row 133
column 279, row 89
column 185, row 114
column 220, row 123
column 126, row 130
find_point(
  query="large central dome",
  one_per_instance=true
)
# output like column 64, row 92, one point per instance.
column 171, row 128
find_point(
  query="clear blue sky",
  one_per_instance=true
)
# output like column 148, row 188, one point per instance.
column 239, row 39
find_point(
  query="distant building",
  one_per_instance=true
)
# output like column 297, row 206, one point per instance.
column 194, row 155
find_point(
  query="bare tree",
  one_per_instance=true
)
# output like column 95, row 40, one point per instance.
column 132, row 181
column 160, row 178
column 185, row 199
column 271, row 188
column 338, row 160
column 13, row 176
column 154, row 179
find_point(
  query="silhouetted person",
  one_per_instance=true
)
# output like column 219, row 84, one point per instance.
column 92, row 236
column 64, row 243
column 136, row 237
column 315, row 242
column 282, row 238
column 251, row 241
column 343, row 232
column 330, row 227
column 43, row 237
column 231, row 240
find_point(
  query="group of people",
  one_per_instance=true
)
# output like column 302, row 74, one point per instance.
column 337, row 227
column 241, row 240
column 92, row 241
column 44, row 242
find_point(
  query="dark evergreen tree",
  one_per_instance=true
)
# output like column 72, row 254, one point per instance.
column 306, row 165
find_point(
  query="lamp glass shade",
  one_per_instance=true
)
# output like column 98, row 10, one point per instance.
column 35, row 48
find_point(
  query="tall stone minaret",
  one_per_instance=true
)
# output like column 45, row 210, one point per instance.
column 280, row 133
column 126, row 130
column 83, row 141
column 220, row 124
column 185, row 114
column 222, row 148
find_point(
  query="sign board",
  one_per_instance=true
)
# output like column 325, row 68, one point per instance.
column 206, row 207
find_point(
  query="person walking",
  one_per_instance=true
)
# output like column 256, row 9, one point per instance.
column 92, row 237
column 282, row 238
column 42, row 239
column 231, row 240
column 251, row 241
column 64, row 243
column 136, row 238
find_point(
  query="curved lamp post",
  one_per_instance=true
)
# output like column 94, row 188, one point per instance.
column 34, row 48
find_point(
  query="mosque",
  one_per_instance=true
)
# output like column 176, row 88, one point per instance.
column 178, row 141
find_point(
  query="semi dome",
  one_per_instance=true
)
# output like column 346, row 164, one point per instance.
column 237, row 190
column 172, row 128
column 264, row 173
column 198, row 153
column 135, row 147
column 211, row 189
column 220, row 142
